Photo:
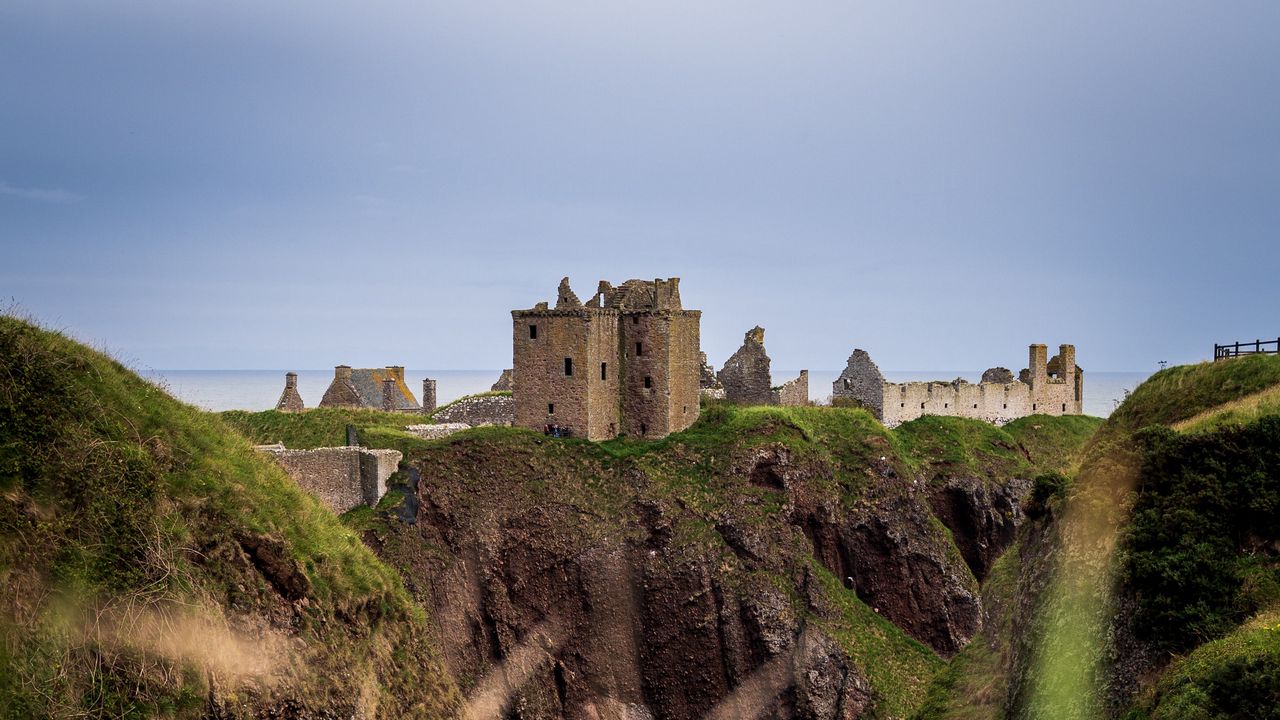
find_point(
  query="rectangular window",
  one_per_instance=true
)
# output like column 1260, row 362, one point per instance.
column 604, row 371
column 1006, row 406
column 1033, row 406
column 568, row 366
column 975, row 406
column 921, row 406
column 1064, row 407
column 638, row 350
column 551, row 408
column 946, row 405
column 533, row 332
column 902, row 405
column 648, row 381
column 635, row 319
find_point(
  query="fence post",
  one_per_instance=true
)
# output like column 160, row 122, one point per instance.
column 1257, row 346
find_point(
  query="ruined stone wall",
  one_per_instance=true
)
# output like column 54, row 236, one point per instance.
column 506, row 381
column 477, row 410
column 793, row 392
column 861, row 382
column 745, row 374
column 340, row 477
column 435, row 431
column 992, row 402
column 1038, row 391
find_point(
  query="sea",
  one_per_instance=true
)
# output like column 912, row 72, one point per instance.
column 260, row 389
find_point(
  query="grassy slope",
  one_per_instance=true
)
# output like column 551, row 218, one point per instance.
column 1112, row 466
column 119, row 503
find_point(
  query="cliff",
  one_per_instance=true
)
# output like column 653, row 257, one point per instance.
column 771, row 562
column 151, row 564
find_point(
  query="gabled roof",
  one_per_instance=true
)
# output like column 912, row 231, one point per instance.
column 365, row 390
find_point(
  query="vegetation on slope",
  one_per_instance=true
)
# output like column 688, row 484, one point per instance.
column 1184, row 553
column 152, row 564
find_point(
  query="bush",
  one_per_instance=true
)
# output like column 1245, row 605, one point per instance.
column 1201, row 500
column 1050, row 485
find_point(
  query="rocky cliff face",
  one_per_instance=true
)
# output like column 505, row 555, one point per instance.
column 782, row 563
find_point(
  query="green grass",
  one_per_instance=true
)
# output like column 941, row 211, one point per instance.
column 1237, row 676
column 323, row 427
column 115, row 497
column 1234, row 413
column 1024, row 447
column 1181, row 392
column 898, row 668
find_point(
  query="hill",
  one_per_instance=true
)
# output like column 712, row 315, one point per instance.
column 152, row 564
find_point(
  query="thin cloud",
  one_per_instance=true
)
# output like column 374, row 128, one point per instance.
column 39, row 194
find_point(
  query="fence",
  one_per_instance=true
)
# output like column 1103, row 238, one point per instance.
column 1257, row 347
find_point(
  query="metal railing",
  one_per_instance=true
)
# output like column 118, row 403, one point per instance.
column 1257, row 347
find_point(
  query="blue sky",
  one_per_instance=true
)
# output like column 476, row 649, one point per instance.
column 275, row 184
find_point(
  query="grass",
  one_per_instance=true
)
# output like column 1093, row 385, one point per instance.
column 324, row 427
column 1180, row 393
column 1024, row 447
column 898, row 668
column 1234, row 413
column 1237, row 676
column 117, row 501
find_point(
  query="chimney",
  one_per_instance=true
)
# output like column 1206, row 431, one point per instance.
column 342, row 372
column 428, row 396
column 291, row 381
column 1038, row 365
column 389, row 392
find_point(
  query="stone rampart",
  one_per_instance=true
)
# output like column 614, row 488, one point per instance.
column 477, row 410
column 342, row 478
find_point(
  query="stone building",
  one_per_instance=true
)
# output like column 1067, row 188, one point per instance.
column 1047, row 387
column 626, row 362
column 290, row 400
column 370, row 388
column 746, row 378
column 709, row 386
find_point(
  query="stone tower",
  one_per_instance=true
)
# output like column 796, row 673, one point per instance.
column 626, row 362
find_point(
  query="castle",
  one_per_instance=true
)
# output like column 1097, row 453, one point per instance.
column 1046, row 387
column 626, row 362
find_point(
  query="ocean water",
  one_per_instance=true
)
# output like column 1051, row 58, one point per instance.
column 259, row 389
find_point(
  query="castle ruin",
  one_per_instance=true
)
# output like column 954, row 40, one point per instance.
column 1046, row 387
column 626, row 362
column 746, row 378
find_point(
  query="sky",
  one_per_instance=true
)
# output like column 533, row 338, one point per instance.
column 265, row 185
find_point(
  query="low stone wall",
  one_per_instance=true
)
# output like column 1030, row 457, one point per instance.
column 437, row 430
column 340, row 477
column 477, row 410
column 794, row 392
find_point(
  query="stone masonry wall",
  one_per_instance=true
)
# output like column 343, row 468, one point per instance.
column 1038, row 391
column 340, row 477
column 477, row 410
column 290, row 400
column 862, row 382
column 745, row 374
column 793, row 392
